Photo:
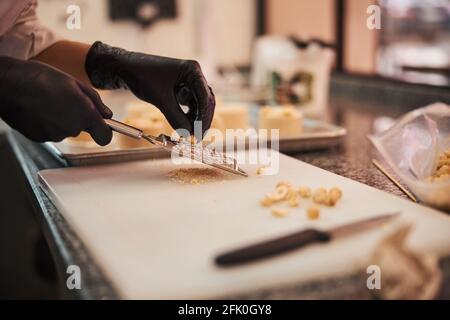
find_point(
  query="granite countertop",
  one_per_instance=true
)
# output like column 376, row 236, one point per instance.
column 355, row 104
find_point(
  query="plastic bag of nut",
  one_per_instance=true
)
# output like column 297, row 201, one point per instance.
column 417, row 148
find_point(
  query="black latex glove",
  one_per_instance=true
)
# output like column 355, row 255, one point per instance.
column 45, row 104
column 163, row 82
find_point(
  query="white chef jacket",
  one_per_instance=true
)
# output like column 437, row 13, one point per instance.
column 22, row 36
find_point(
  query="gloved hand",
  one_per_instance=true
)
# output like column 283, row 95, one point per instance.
column 45, row 104
column 163, row 82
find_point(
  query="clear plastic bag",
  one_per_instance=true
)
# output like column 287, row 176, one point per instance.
column 412, row 147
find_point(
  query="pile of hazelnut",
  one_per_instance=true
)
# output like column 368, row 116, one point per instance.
column 442, row 169
column 285, row 193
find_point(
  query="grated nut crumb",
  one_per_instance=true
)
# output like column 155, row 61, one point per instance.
column 267, row 202
column 196, row 176
column 304, row 192
column 280, row 213
column 261, row 170
column 320, row 196
column 313, row 213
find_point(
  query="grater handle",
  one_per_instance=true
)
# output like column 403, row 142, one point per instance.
column 125, row 129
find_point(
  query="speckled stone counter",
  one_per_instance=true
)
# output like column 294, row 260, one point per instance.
column 356, row 102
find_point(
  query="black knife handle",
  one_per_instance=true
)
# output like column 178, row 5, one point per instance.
column 272, row 247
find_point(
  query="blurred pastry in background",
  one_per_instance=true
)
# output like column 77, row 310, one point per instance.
column 218, row 123
column 234, row 116
column 137, row 109
column 82, row 138
column 152, row 127
column 143, row 110
column 146, row 117
column 287, row 119
column 217, row 130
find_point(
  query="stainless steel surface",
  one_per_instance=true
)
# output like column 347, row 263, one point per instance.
column 125, row 129
column 86, row 156
column 181, row 148
column 207, row 156
column 361, row 226
column 318, row 135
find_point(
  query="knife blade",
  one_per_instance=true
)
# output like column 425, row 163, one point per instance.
column 297, row 240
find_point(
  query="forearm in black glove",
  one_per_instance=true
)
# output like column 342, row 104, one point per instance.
column 45, row 104
column 163, row 82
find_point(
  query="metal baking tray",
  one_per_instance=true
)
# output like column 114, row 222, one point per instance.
column 317, row 135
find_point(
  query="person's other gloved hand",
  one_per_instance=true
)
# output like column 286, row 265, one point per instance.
column 45, row 104
column 163, row 82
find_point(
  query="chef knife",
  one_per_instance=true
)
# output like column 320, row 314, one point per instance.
column 297, row 240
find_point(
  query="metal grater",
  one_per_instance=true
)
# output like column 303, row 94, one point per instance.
column 182, row 147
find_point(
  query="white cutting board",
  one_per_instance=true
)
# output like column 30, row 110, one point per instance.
column 155, row 238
